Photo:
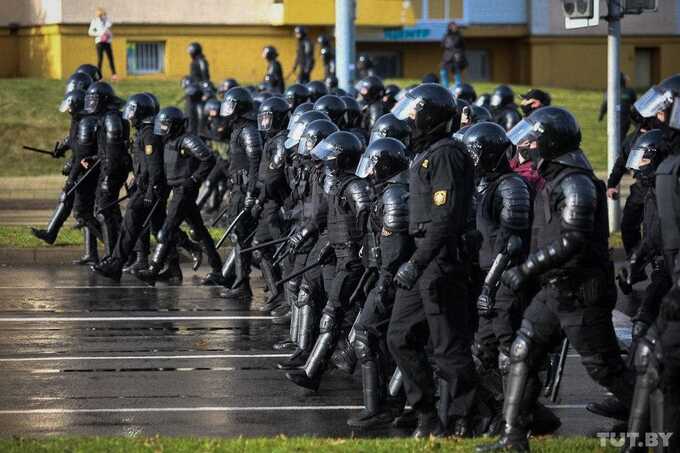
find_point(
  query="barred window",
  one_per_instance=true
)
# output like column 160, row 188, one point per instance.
column 145, row 57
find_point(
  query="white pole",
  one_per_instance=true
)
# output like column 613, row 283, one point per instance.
column 613, row 103
column 345, row 42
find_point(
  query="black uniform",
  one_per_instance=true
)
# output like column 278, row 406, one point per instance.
column 370, row 114
column 304, row 59
column 328, row 58
column 112, row 136
column 441, row 189
column 199, row 68
column 274, row 77
column 628, row 98
column 211, row 194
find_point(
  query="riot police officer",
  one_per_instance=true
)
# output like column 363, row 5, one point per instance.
column 503, row 217
column 390, row 96
column 466, row 92
column 111, row 134
column 327, row 56
column 348, row 209
column 473, row 114
column 274, row 74
column 245, row 153
column 216, row 133
column 304, row 57
column 371, row 91
column 334, row 108
column 317, row 89
column 198, row 68
column 187, row 162
column 441, row 186
column 365, row 67
column 91, row 70
column 296, row 94
column 503, row 107
column 569, row 258
column 388, row 244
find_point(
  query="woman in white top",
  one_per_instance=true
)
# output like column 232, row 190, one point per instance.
column 100, row 28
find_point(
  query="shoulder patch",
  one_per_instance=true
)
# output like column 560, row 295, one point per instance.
column 148, row 150
column 440, row 197
column 425, row 163
column 386, row 232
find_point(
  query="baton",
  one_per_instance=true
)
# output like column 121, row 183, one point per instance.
column 231, row 227
column 396, row 382
column 110, row 205
column 220, row 215
column 38, row 150
column 147, row 221
column 362, row 281
column 560, row 370
column 263, row 245
column 80, row 181
column 290, row 277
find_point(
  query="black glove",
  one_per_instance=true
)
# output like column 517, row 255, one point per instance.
column 296, row 240
column 407, row 275
column 59, row 150
column 66, row 169
column 514, row 278
column 149, row 199
column 105, row 185
column 485, row 302
column 249, row 201
column 639, row 329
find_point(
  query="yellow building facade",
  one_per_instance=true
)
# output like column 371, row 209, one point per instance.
column 514, row 41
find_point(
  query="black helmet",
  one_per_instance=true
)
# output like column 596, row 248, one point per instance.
column 273, row 114
column 370, row 88
column 211, row 108
column 508, row 119
column 466, row 92
column 298, row 111
column 646, row 153
column 484, row 100
column 340, row 152
column 460, row 105
column 316, row 90
column 296, row 128
column 169, row 122
column 428, row 108
column 226, row 85
column 364, row 62
column 296, row 94
column 323, row 41
column 383, row 159
column 473, row 114
column 191, row 87
column 502, row 96
column 98, row 96
column 554, row 130
column 300, row 31
column 338, row 92
column 332, row 106
column 262, row 96
column 314, row 133
column 390, row 96
column 141, row 108
column 270, row 53
column 487, row 144
column 73, row 102
column 78, row 81
column 208, row 90
column 195, row 49
column 237, row 103
column 389, row 126
column 352, row 111
column 662, row 97
column 331, row 83
column 90, row 70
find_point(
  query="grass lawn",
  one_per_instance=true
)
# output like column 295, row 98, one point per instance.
column 21, row 237
column 29, row 116
column 281, row 444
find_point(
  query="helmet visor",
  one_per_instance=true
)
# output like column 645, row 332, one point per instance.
column 295, row 134
column 366, row 165
column 264, row 121
column 406, row 108
column 161, row 126
column 674, row 120
column 375, row 135
column 129, row 111
column 466, row 116
column 307, row 144
column 636, row 159
column 653, row 102
column 228, row 107
column 324, row 151
column 525, row 131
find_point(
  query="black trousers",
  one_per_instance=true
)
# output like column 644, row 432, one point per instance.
column 303, row 76
column 669, row 332
column 631, row 220
column 133, row 235
column 438, row 308
column 102, row 48
column 83, row 204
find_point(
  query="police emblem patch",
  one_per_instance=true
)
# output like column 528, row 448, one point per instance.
column 439, row 197
column 148, row 150
column 425, row 163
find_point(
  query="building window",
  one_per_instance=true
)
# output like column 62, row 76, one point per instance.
column 145, row 57
column 478, row 68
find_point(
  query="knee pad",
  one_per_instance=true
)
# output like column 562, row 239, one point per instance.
column 361, row 347
column 644, row 355
column 164, row 236
column 100, row 217
column 504, row 362
column 519, row 351
column 304, row 296
column 257, row 256
column 327, row 323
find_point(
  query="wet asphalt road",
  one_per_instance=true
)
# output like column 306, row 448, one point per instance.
column 80, row 355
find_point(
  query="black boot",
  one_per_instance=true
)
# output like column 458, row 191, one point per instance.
column 282, row 315
column 195, row 250
column 374, row 414
column 150, row 275
column 110, row 267
column 610, row 407
column 242, row 293
column 295, row 362
column 91, row 255
column 139, row 263
column 310, row 375
column 344, row 357
column 59, row 216
column 428, row 425
column 173, row 272
column 305, row 330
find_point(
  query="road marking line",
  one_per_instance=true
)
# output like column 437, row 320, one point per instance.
column 145, row 357
column 132, row 318
column 566, row 406
column 177, row 409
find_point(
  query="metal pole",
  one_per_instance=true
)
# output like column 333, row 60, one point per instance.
column 613, row 103
column 344, row 42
